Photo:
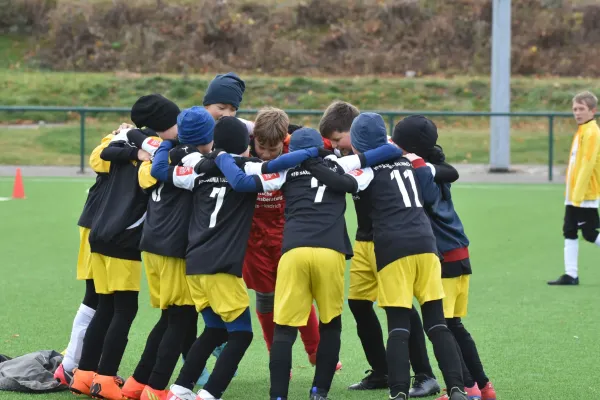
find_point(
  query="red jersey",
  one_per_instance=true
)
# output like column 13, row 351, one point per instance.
column 268, row 219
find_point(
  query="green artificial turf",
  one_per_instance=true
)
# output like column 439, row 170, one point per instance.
column 536, row 342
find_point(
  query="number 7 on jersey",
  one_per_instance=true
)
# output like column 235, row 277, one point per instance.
column 219, row 192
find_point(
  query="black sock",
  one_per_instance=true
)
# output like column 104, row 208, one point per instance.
column 198, row 355
column 370, row 334
column 115, row 342
column 93, row 340
column 148, row 360
column 444, row 345
column 419, row 359
column 397, row 350
column 280, row 363
column 468, row 350
column 191, row 334
column 228, row 362
column 467, row 378
column 90, row 298
column 170, row 346
column 328, row 354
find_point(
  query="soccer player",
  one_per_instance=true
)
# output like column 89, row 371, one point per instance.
column 163, row 245
column 335, row 125
column 271, row 139
column 114, row 242
column 418, row 135
column 220, row 225
column 405, row 252
column 87, row 309
column 312, row 265
column 583, row 186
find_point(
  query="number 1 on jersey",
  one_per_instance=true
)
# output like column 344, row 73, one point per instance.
column 314, row 183
column 405, row 197
column 219, row 192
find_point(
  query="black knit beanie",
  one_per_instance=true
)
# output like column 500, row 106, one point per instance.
column 155, row 112
column 416, row 134
column 231, row 135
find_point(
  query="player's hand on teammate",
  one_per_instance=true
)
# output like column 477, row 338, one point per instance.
column 323, row 152
column 123, row 126
column 143, row 155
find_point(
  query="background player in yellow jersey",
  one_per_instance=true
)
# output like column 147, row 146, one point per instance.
column 583, row 186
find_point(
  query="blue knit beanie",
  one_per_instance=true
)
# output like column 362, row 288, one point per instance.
column 225, row 89
column 195, row 126
column 305, row 138
column 368, row 132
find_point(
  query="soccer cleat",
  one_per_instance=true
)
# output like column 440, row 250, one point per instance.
column 106, row 387
column 82, row 382
column 204, row 395
column 564, row 280
column 180, row 393
column 488, row 392
column 473, row 393
column 132, row 389
column 455, row 394
column 423, row 386
column 317, row 394
column 399, row 396
column 312, row 359
column 372, row 381
column 153, row 394
column 64, row 377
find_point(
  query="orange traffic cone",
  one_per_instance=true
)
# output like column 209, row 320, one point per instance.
column 18, row 188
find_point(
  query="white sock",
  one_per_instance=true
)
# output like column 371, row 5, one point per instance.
column 80, row 323
column 571, row 254
column 597, row 241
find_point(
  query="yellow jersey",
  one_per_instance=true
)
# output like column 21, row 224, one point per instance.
column 583, row 172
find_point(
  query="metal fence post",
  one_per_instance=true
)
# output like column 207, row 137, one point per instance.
column 82, row 142
column 550, row 146
column 391, row 122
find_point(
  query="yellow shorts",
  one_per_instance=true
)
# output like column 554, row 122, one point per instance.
column 418, row 275
column 84, row 267
column 457, row 296
column 304, row 274
column 166, row 281
column 115, row 274
column 225, row 294
column 363, row 272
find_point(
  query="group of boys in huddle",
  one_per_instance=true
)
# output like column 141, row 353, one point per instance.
column 215, row 205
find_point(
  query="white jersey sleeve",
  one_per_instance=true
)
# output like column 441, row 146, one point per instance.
column 348, row 163
column 363, row 177
column 184, row 177
column 273, row 181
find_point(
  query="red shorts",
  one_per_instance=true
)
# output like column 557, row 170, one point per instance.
column 260, row 268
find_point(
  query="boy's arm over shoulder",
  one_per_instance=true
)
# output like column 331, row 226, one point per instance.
column 239, row 180
column 145, row 178
column 443, row 172
column 352, row 182
column 182, row 177
column 590, row 147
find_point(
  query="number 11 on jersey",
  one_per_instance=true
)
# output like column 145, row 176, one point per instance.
column 405, row 197
column 219, row 192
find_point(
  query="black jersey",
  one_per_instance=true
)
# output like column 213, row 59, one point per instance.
column 117, row 226
column 220, row 222
column 314, row 216
column 400, row 225
column 167, row 221
column 92, row 202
